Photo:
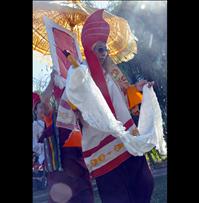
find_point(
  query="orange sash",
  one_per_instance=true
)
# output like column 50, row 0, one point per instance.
column 74, row 140
column 134, row 96
column 48, row 119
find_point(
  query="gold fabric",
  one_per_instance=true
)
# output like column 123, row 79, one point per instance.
column 121, row 42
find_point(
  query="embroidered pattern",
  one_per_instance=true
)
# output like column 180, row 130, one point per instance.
column 101, row 158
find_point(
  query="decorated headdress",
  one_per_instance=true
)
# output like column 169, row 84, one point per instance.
column 96, row 29
column 35, row 99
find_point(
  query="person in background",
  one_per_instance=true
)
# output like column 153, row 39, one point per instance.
column 42, row 111
column 38, row 127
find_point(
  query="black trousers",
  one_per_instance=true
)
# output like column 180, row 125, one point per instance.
column 131, row 182
column 75, row 175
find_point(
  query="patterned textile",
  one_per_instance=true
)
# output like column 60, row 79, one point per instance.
column 52, row 149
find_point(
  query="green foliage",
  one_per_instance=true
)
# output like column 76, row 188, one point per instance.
column 154, row 157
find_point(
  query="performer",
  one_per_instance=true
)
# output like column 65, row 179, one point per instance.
column 38, row 127
column 67, row 174
column 42, row 111
column 114, row 153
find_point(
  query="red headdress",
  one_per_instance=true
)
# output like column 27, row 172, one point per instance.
column 35, row 99
column 96, row 29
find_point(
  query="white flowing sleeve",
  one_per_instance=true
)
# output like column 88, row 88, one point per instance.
column 149, row 126
column 150, row 121
column 60, row 81
column 82, row 91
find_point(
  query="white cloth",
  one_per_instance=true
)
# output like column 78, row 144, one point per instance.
column 82, row 92
column 38, row 127
column 149, row 126
column 59, row 81
column 92, row 135
column 150, row 120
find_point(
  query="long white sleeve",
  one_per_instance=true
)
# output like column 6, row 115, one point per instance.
column 82, row 91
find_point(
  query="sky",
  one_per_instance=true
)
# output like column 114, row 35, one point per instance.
column 42, row 64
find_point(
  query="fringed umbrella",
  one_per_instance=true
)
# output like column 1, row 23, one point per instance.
column 72, row 15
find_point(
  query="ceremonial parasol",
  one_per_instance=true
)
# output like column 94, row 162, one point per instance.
column 72, row 15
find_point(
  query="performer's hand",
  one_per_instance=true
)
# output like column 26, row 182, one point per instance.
column 71, row 58
column 139, row 85
column 135, row 110
column 151, row 84
column 66, row 53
